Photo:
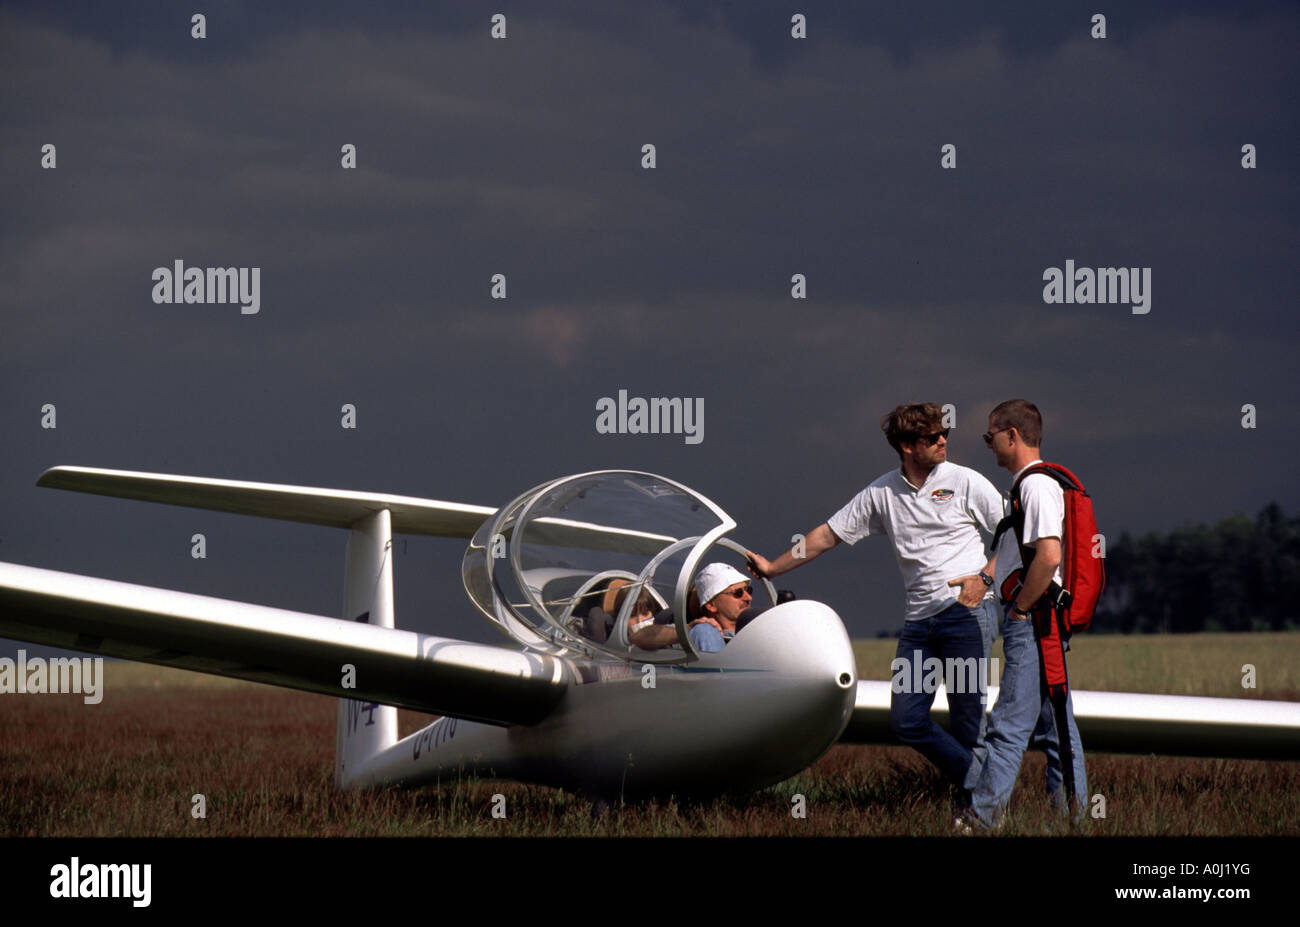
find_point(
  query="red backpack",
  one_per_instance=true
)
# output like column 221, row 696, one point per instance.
column 1084, row 574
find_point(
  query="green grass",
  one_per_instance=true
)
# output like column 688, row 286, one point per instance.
column 1172, row 664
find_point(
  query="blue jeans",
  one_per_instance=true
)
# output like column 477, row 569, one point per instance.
column 957, row 633
column 987, row 615
column 1022, row 717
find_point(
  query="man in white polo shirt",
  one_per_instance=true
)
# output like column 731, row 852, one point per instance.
column 936, row 514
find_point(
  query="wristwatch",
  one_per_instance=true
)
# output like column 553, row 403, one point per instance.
column 1017, row 612
column 988, row 580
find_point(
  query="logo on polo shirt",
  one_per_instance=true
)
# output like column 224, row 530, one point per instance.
column 940, row 496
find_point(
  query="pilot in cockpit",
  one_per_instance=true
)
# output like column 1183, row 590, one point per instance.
column 643, row 611
column 724, row 594
column 600, row 619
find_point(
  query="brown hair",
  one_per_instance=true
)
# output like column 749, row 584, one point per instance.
column 909, row 422
column 644, row 602
column 1022, row 415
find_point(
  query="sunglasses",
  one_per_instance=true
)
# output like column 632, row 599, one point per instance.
column 988, row 435
column 933, row 439
column 743, row 591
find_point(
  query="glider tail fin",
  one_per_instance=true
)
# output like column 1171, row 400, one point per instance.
column 365, row 728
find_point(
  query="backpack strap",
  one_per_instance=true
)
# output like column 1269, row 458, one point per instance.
column 1016, row 517
column 1015, row 520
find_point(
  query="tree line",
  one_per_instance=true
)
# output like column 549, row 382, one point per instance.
column 1237, row 575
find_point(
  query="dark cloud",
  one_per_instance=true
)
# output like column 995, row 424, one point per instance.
column 522, row 157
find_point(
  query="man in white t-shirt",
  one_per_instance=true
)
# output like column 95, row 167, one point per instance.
column 935, row 514
column 1023, row 707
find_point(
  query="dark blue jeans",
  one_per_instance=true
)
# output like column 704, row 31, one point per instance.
column 955, row 634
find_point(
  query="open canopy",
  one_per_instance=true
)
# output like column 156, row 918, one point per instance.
column 546, row 568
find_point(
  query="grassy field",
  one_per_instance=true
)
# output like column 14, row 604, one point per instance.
column 1182, row 664
column 263, row 758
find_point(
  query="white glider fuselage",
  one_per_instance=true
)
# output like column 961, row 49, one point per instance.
column 768, row 705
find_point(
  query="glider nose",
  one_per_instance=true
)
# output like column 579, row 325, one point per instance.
column 805, row 639
column 803, row 645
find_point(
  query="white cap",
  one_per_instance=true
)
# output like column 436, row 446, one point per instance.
column 714, row 578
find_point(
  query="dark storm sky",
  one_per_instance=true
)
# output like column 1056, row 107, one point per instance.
column 522, row 156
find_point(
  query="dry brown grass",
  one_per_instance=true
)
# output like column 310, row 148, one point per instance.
column 263, row 757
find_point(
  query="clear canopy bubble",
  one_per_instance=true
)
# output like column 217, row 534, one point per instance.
column 562, row 567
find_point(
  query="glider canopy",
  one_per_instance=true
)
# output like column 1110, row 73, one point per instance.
column 545, row 568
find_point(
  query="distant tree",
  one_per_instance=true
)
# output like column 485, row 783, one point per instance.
column 1236, row 575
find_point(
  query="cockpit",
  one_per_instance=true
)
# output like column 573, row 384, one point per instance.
column 561, row 569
